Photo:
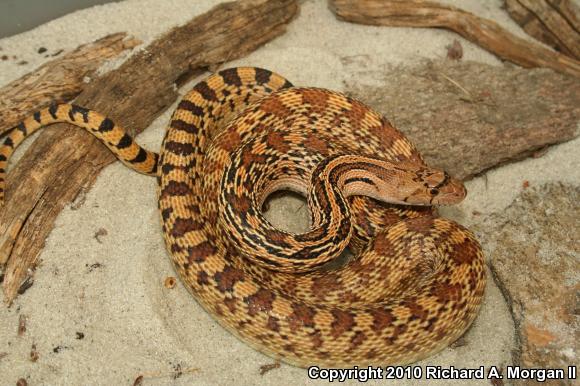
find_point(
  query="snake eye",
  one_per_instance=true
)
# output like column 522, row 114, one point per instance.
column 434, row 191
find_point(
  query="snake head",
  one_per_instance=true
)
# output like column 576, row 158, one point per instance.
column 403, row 183
column 438, row 188
column 409, row 183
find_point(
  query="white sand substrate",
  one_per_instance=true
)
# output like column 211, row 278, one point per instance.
column 111, row 290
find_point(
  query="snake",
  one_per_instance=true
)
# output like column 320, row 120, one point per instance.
column 415, row 281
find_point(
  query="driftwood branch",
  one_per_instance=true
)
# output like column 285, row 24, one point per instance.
column 59, row 80
column 486, row 33
column 552, row 22
column 65, row 160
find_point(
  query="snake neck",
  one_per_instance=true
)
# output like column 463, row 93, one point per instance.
column 341, row 176
column 402, row 183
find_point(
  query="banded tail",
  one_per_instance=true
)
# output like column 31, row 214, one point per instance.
column 111, row 135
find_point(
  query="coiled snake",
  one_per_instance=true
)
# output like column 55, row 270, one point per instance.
column 416, row 282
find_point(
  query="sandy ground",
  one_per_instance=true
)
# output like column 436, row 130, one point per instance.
column 98, row 312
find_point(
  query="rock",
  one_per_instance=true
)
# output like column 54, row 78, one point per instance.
column 533, row 252
column 469, row 117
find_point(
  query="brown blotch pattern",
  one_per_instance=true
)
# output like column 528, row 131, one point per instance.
column 200, row 252
column 356, row 112
column 231, row 304
column 250, row 158
column 184, row 126
column 343, row 322
column 382, row 245
column 202, row 278
column 324, row 284
column 386, row 134
column 417, row 312
column 230, row 140
column 179, row 148
column 358, row 338
column 317, row 100
column 371, row 354
column 276, row 141
column 317, row 340
column 228, row 278
column 261, row 301
column 240, row 203
column 278, row 237
column 464, row 252
column 193, row 108
column 262, row 76
column 420, row 225
column 382, row 319
column 231, row 77
column 447, row 293
column 302, row 316
column 183, row 225
column 175, row 188
column 274, row 106
column 206, row 92
column 317, row 144
column 273, row 323
column 397, row 331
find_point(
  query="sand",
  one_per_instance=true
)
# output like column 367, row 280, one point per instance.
column 98, row 312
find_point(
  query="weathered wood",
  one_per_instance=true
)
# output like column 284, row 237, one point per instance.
column 533, row 26
column 64, row 160
column 486, row 33
column 569, row 10
column 551, row 22
column 59, row 80
column 470, row 117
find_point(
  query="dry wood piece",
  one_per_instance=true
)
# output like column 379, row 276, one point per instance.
column 59, row 80
column 65, row 160
column 486, row 33
column 552, row 22
column 469, row 117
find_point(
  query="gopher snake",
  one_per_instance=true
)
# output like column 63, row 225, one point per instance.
column 417, row 281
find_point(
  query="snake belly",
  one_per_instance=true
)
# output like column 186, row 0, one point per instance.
column 416, row 282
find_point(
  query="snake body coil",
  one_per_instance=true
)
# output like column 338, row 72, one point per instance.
column 416, row 282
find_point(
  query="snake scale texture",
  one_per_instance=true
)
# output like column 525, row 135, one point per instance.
column 416, row 281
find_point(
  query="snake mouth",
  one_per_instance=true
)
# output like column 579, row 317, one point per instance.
column 450, row 191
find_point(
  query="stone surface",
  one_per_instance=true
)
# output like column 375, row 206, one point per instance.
column 534, row 254
column 485, row 115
